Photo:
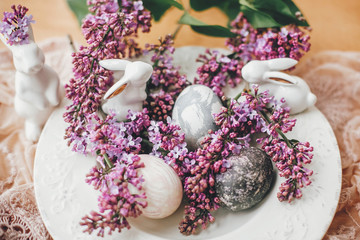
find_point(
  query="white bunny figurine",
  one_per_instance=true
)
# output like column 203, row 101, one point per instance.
column 36, row 86
column 131, row 86
column 293, row 89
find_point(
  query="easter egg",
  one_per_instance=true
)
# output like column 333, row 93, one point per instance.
column 162, row 186
column 193, row 112
column 247, row 181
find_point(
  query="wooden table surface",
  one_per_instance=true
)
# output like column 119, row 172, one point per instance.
column 335, row 23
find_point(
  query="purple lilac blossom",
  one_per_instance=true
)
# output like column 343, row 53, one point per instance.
column 109, row 35
column 239, row 121
column 168, row 144
column 267, row 43
column 15, row 25
column 166, row 77
column 116, row 202
column 218, row 70
column 117, row 144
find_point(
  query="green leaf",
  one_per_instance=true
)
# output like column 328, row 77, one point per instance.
column 79, row 8
column 203, row 28
column 171, row 2
column 294, row 9
column 159, row 7
column 230, row 7
column 275, row 13
column 258, row 19
column 201, row 5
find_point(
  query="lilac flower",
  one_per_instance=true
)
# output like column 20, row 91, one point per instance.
column 165, row 73
column 165, row 77
column 138, row 6
column 168, row 143
column 103, row 6
column 261, row 44
column 218, row 70
column 15, row 25
column 116, row 202
column 289, row 156
column 238, row 121
column 160, row 104
column 109, row 35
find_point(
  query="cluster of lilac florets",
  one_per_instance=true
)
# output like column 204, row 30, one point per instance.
column 169, row 144
column 116, row 202
column 289, row 156
column 110, row 33
column 15, row 25
column 256, row 115
column 290, row 159
column 166, row 78
column 267, row 43
column 160, row 104
column 236, row 122
column 116, row 145
column 219, row 70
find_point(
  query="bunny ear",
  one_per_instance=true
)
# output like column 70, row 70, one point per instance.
column 281, row 63
column 114, row 64
column 279, row 78
column 117, row 88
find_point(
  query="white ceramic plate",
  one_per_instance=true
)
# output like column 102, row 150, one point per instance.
column 63, row 197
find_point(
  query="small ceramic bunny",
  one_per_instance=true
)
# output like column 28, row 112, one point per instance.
column 293, row 89
column 36, row 86
column 131, row 86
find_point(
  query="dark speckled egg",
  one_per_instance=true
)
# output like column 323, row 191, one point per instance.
column 247, row 181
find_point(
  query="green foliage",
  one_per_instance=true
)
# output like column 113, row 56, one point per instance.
column 203, row 28
column 159, row 7
column 230, row 7
column 260, row 13
column 273, row 13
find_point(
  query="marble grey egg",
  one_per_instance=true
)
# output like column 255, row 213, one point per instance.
column 247, row 181
column 193, row 112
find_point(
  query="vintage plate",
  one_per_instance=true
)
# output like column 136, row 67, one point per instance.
column 63, row 197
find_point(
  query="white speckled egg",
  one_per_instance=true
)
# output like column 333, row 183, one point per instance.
column 162, row 186
column 193, row 112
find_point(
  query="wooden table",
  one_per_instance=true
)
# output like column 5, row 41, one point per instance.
column 335, row 23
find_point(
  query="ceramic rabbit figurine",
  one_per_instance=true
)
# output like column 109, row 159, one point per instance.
column 131, row 86
column 37, row 89
column 293, row 89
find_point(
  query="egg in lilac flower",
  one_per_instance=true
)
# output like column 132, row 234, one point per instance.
column 162, row 186
column 193, row 112
column 247, row 181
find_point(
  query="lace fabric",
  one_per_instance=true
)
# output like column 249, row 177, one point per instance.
column 19, row 215
column 333, row 76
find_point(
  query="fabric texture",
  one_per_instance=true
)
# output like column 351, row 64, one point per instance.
column 333, row 76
